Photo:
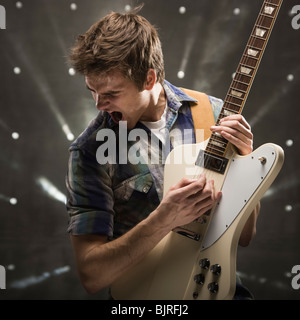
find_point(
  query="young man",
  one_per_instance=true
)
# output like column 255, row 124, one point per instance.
column 117, row 212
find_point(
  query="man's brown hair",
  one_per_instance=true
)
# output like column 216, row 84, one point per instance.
column 126, row 42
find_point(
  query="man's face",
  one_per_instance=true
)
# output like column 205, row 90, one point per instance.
column 119, row 97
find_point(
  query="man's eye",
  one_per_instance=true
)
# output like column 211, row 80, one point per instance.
column 112, row 95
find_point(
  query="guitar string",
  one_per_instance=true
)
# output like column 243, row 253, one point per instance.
column 199, row 171
column 238, row 77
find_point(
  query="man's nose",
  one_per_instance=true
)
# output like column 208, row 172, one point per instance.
column 101, row 102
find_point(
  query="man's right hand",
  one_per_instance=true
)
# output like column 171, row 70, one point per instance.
column 186, row 201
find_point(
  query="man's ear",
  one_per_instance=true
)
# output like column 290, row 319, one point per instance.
column 151, row 79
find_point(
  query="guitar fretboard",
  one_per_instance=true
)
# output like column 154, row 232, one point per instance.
column 246, row 71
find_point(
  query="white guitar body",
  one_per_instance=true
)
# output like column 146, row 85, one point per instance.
column 172, row 271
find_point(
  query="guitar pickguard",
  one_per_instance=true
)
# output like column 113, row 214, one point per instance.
column 244, row 177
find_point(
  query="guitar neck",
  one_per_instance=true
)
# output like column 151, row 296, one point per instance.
column 243, row 77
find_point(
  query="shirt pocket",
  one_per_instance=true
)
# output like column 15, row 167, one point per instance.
column 141, row 183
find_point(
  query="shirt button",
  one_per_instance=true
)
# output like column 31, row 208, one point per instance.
column 145, row 189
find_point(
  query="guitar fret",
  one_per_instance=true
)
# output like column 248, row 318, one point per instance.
column 252, row 47
column 214, row 136
column 250, row 56
column 249, row 62
column 240, row 90
column 218, row 137
column 232, row 109
column 229, row 109
column 227, row 113
column 248, row 67
column 274, row 4
column 232, row 103
column 240, row 82
column 217, row 146
column 264, row 23
column 265, row 15
column 239, row 74
column 233, row 96
column 242, row 86
column 214, row 151
column 259, row 26
column 222, row 143
column 257, row 37
column 257, row 42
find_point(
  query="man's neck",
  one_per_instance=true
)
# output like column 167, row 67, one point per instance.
column 157, row 103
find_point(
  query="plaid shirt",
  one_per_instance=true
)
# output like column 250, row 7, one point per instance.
column 111, row 198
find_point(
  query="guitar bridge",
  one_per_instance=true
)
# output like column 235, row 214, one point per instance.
column 212, row 162
column 187, row 233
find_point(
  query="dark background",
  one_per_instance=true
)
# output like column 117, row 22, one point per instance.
column 206, row 42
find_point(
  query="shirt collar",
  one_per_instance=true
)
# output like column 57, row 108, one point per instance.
column 176, row 96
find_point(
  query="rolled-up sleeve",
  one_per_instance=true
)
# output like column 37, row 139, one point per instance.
column 89, row 196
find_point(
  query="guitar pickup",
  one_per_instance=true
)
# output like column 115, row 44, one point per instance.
column 188, row 233
column 212, row 162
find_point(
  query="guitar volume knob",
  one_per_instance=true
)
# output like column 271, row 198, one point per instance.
column 216, row 269
column 204, row 263
column 199, row 278
column 213, row 287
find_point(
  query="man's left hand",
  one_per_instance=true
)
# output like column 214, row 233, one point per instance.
column 237, row 131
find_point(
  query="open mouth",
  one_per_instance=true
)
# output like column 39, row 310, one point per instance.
column 116, row 116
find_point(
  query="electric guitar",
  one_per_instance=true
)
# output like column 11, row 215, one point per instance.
column 198, row 260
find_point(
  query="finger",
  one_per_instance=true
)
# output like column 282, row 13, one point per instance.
column 237, row 134
column 210, row 192
column 234, row 127
column 235, row 137
column 237, row 117
column 203, row 193
column 187, row 187
column 205, row 207
column 245, row 146
column 208, row 203
column 207, row 195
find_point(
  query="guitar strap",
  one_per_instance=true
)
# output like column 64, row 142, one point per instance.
column 202, row 114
